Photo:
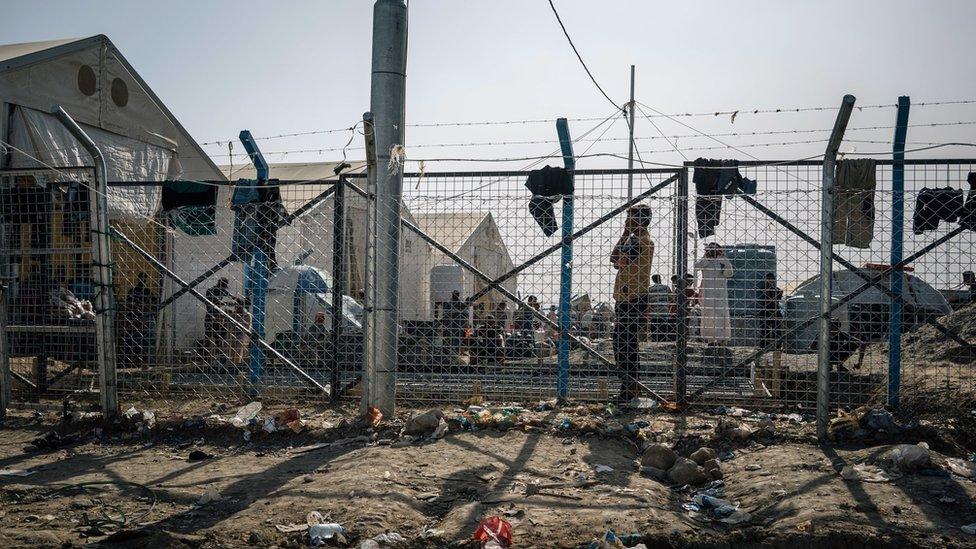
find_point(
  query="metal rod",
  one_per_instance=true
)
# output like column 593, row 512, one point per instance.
column 259, row 294
column 102, row 271
column 565, row 266
column 5, row 379
column 596, row 223
column 681, row 294
column 214, row 307
column 897, row 238
column 369, row 297
column 388, row 105
column 826, row 262
column 338, row 280
column 630, row 152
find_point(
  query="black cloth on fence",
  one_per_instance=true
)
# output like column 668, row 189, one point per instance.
column 259, row 213
column 935, row 205
column 177, row 194
column 547, row 186
column 967, row 217
column 542, row 210
column 713, row 179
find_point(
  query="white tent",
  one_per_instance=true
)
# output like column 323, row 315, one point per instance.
column 804, row 302
column 474, row 236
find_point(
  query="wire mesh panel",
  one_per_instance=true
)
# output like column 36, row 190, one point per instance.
column 229, row 292
column 480, row 281
column 756, row 291
column 45, row 263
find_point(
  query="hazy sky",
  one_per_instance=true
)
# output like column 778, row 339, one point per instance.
column 296, row 66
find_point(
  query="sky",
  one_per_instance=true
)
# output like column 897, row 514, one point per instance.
column 304, row 66
column 298, row 66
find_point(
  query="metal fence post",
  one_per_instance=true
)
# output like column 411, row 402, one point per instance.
column 897, row 237
column 566, row 264
column 826, row 263
column 102, row 272
column 681, row 294
column 338, row 279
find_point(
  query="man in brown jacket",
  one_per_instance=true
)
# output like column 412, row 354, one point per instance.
column 631, row 257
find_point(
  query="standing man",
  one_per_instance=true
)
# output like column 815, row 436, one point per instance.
column 631, row 257
column 455, row 315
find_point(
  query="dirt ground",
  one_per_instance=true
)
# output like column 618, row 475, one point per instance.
column 561, row 477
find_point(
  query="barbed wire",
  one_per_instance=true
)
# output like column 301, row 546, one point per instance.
column 729, row 112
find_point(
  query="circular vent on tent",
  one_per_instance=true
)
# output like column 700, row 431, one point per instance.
column 120, row 92
column 86, row 80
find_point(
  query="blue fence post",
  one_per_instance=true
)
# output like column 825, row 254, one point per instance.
column 259, row 292
column 897, row 236
column 566, row 265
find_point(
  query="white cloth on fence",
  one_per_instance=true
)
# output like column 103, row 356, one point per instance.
column 716, row 326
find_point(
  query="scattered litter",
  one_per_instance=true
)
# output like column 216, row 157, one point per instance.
column 866, row 473
column 199, row 455
column 16, row 472
column 969, row 529
column 644, row 403
column 209, row 496
column 374, row 416
column 52, row 441
column 879, row 419
column 441, row 430
column 318, row 534
column 600, row 468
column 289, row 528
column 908, row 458
column 245, row 414
column 612, row 540
column 753, row 467
column 494, row 533
column 961, row 467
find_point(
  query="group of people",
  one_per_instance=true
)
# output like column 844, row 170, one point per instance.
column 485, row 327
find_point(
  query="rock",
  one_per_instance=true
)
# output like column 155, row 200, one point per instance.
column 658, row 456
column 685, row 471
column 732, row 430
column 713, row 468
column 753, row 467
column 654, row 472
column 703, row 454
column 422, row 425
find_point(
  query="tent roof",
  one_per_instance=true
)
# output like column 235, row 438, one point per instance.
column 295, row 195
column 452, row 229
column 14, row 57
column 292, row 171
column 11, row 52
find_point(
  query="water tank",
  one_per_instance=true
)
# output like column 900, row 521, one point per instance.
column 751, row 263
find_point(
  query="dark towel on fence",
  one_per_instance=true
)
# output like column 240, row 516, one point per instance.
column 547, row 185
column 259, row 213
column 713, row 179
column 177, row 194
column 935, row 205
column 967, row 217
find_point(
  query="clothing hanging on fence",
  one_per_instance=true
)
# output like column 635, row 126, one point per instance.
column 967, row 218
column 258, row 215
column 855, row 183
column 935, row 205
column 191, row 206
column 713, row 179
column 547, row 186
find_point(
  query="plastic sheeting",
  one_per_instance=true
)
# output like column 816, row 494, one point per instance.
column 42, row 136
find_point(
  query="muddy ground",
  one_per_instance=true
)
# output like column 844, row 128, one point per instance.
column 559, row 483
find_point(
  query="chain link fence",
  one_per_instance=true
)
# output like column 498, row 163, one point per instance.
column 236, row 290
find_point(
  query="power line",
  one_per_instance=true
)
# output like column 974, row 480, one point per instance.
column 580, row 57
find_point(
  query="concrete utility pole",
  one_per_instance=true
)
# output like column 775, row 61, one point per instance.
column 387, row 104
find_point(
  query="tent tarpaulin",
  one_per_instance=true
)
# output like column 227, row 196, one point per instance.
column 44, row 138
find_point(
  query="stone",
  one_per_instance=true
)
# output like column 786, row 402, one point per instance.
column 703, row 454
column 684, row 471
column 658, row 456
column 423, row 425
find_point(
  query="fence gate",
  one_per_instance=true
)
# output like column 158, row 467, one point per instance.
column 48, row 322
